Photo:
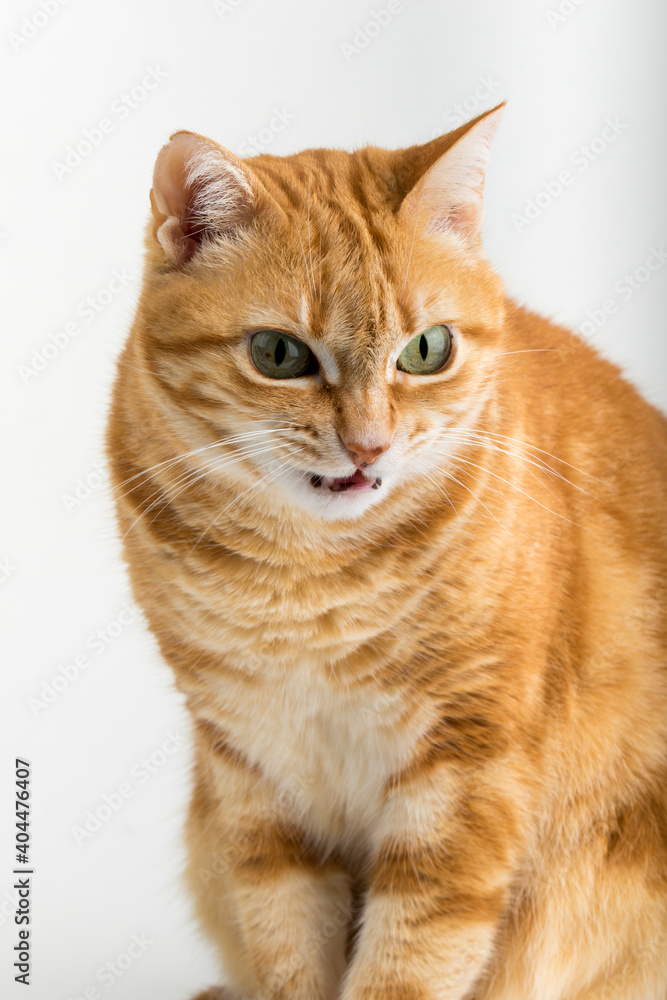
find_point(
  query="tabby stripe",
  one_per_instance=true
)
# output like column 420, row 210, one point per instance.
column 268, row 850
column 219, row 745
column 293, row 198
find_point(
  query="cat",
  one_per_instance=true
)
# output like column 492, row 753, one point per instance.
column 402, row 543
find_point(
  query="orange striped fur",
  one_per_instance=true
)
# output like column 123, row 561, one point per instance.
column 430, row 717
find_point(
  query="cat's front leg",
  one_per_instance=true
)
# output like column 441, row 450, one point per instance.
column 438, row 889
column 278, row 914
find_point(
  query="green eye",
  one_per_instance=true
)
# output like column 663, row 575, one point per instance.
column 278, row 356
column 426, row 353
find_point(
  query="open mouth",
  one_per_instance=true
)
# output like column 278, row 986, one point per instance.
column 357, row 481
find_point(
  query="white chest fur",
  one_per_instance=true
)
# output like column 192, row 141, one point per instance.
column 327, row 749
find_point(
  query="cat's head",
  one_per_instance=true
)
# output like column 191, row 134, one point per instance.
column 333, row 313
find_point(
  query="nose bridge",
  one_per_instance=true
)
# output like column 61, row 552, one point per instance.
column 364, row 410
column 365, row 421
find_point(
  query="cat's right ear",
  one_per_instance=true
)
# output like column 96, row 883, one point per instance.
column 198, row 187
column 448, row 196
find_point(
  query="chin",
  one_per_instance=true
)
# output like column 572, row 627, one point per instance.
column 335, row 499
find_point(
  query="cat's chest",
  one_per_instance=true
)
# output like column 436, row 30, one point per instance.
column 327, row 749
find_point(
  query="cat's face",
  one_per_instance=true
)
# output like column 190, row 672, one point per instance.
column 343, row 331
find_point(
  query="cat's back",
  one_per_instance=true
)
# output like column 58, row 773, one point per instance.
column 591, row 416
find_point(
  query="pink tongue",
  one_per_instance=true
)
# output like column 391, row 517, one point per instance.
column 356, row 481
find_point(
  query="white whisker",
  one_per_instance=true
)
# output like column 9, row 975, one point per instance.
column 533, row 350
column 513, row 486
column 561, row 461
column 480, row 441
column 412, row 245
column 478, row 499
column 442, row 490
column 303, row 252
column 206, row 447
column 190, row 477
column 310, row 252
column 269, row 475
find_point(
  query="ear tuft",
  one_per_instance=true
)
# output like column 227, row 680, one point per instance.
column 198, row 188
column 448, row 198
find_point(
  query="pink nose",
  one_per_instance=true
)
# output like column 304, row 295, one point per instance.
column 363, row 455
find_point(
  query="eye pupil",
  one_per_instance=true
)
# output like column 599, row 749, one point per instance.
column 281, row 351
column 427, row 353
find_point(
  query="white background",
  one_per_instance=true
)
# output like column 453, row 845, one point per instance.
column 225, row 71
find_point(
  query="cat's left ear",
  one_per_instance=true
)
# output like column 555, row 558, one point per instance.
column 448, row 197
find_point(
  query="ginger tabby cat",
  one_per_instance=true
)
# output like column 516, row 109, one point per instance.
column 402, row 543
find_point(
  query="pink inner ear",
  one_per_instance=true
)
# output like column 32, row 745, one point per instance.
column 197, row 185
column 172, row 196
column 449, row 197
column 459, row 218
column 169, row 177
column 174, row 242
